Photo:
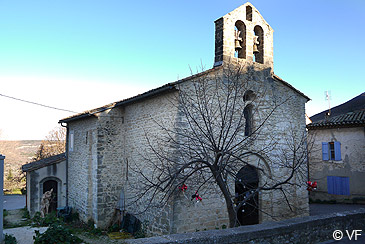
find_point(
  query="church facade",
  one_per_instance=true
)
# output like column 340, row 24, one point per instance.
column 103, row 143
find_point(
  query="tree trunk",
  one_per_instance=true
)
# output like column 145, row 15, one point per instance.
column 231, row 214
column 224, row 188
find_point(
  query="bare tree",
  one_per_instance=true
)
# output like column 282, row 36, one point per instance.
column 54, row 143
column 224, row 121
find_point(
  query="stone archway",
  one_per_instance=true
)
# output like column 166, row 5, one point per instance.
column 247, row 179
column 48, row 184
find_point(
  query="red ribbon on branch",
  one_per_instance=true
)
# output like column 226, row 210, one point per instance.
column 183, row 188
column 311, row 185
column 196, row 196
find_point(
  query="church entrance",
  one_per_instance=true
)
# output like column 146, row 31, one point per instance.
column 247, row 180
column 47, row 186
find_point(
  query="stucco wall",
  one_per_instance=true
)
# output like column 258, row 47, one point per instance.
column 352, row 163
column 35, row 180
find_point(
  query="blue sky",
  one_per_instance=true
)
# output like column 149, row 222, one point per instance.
column 78, row 55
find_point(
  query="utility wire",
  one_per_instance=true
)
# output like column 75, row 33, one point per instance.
column 46, row 106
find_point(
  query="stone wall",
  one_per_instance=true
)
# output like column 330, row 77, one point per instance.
column 352, row 163
column 286, row 122
column 225, row 39
column 108, row 149
column 304, row 230
column 82, row 168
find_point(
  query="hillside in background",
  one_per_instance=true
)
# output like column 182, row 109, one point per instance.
column 16, row 154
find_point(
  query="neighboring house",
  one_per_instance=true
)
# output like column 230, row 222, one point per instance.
column 102, row 142
column 337, row 159
column 44, row 175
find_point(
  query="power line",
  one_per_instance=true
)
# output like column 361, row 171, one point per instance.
column 39, row 104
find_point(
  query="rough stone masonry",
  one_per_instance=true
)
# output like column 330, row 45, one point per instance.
column 103, row 143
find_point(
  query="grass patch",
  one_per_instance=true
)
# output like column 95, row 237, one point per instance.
column 16, row 191
column 23, row 218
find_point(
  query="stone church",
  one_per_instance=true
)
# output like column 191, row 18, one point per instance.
column 102, row 143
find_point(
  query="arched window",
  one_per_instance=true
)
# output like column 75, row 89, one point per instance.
column 247, row 113
column 259, row 42
column 249, row 96
column 249, row 13
column 240, row 39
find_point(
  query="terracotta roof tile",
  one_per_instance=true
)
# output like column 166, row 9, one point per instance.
column 350, row 119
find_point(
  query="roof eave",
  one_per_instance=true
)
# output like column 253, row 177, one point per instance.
column 275, row 77
column 333, row 126
column 35, row 165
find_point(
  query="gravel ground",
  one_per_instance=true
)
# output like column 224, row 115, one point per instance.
column 24, row 235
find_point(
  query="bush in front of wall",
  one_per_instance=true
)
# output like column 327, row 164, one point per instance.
column 9, row 239
column 49, row 219
column 56, row 234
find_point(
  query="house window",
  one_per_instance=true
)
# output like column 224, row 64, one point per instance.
column 331, row 146
column 338, row 185
column 71, row 142
column 331, row 151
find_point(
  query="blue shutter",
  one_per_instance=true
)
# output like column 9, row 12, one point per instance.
column 325, row 155
column 338, row 185
column 331, row 184
column 337, row 151
column 345, row 187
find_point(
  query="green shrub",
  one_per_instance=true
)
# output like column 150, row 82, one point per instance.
column 56, row 234
column 5, row 213
column 9, row 239
column 140, row 234
column 25, row 213
column 114, row 228
column 49, row 219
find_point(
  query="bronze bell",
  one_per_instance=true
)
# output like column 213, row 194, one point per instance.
column 237, row 45
column 255, row 50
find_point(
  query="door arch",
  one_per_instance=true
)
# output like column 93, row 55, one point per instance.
column 247, row 180
column 47, row 185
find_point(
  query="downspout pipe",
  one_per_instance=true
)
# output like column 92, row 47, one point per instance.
column 67, row 141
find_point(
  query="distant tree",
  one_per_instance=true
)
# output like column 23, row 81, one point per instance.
column 53, row 144
column 10, row 175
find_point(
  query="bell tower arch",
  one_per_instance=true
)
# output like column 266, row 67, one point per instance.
column 243, row 35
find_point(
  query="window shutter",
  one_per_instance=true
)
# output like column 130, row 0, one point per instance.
column 337, row 151
column 345, row 186
column 331, row 184
column 71, row 141
column 338, row 185
column 325, row 155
